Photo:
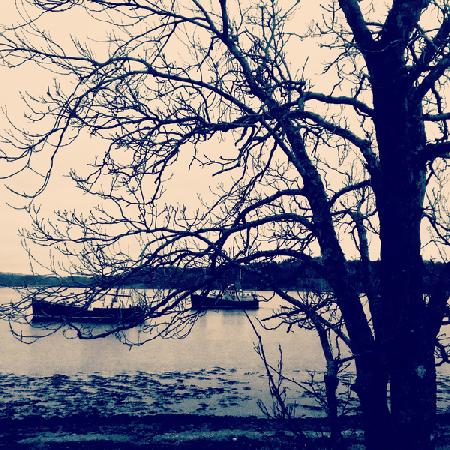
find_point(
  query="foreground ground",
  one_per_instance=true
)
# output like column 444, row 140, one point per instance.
column 179, row 432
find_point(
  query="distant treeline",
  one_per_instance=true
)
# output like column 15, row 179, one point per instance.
column 20, row 280
column 285, row 275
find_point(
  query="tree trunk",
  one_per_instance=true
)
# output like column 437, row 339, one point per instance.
column 407, row 341
column 331, row 380
column 399, row 186
column 404, row 336
column 413, row 398
column 371, row 387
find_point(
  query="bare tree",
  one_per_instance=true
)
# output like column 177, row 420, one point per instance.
column 316, row 311
column 359, row 151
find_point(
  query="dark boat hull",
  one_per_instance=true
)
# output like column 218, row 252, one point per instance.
column 200, row 301
column 44, row 311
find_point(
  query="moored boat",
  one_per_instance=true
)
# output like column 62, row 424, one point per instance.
column 229, row 299
column 53, row 311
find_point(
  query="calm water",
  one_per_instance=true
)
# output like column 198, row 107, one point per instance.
column 219, row 338
column 214, row 370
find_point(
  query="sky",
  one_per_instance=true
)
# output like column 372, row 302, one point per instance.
column 188, row 182
column 61, row 193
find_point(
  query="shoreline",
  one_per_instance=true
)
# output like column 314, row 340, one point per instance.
column 182, row 431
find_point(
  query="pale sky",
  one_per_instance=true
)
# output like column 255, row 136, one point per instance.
column 61, row 193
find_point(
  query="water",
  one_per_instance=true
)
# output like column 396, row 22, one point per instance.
column 219, row 338
column 214, row 370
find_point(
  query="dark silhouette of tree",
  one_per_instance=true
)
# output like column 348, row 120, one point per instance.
column 315, row 311
column 358, row 152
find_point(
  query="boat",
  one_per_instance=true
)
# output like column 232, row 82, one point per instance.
column 229, row 299
column 58, row 311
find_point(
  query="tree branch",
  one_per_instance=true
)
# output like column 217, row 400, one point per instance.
column 428, row 82
column 400, row 22
column 437, row 150
column 436, row 117
column 347, row 189
column 434, row 46
column 341, row 100
column 364, row 145
column 356, row 21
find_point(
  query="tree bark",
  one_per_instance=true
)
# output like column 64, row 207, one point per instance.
column 404, row 333
column 413, row 398
column 371, row 387
column 331, row 381
column 371, row 383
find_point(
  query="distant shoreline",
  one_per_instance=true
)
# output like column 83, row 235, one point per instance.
column 287, row 275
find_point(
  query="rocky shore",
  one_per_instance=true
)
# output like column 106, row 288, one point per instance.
column 204, row 409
